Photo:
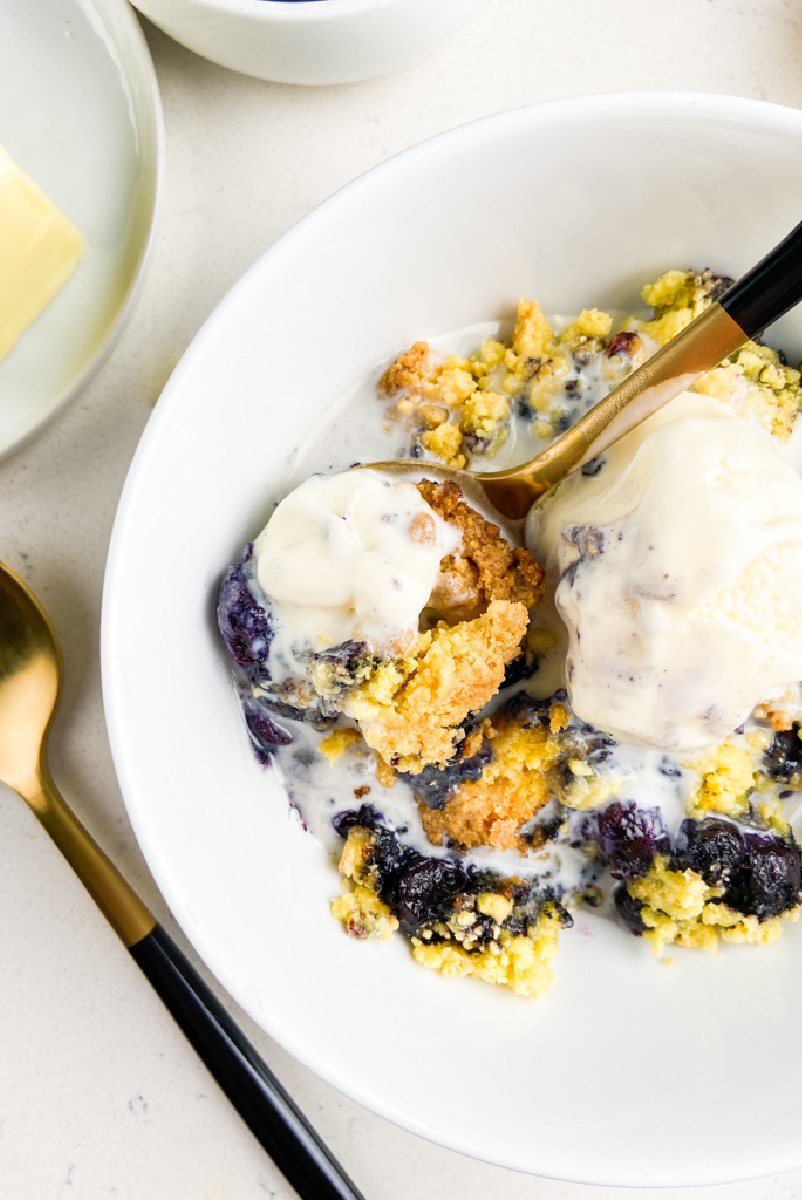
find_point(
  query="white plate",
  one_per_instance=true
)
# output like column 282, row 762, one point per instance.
column 80, row 113
column 630, row 1072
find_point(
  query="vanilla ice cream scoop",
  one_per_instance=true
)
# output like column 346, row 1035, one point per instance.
column 349, row 557
column 680, row 578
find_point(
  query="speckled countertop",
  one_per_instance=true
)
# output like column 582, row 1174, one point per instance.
column 100, row 1096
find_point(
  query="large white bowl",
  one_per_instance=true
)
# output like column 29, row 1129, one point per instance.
column 310, row 41
column 80, row 113
column 629, row 1072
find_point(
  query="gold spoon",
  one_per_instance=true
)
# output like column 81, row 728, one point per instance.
column 30, row 683
column 747, row 307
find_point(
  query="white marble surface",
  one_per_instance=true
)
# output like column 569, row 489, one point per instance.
column 99, row 1094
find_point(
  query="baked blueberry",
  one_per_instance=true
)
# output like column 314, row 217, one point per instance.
column 628, row 910
column 527, row 712
column 425, row 891
column 244, row 624
column 784, row 756
column 629, row 837
column 621, row 343
column 337, row 670
column 522, row 667
column 768, row 880
column 264, row 733
column 366, row 815
column 712, row 847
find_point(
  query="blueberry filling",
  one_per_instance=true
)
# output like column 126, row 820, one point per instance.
column 628, row 838
column 528, row 712
column 521, row 668
column 417, row 889
column 433, row 785
column 621, row 343
column 263, row 731
column 246, row 626
column 628, row 910
column 784, row 756
column 712, row 847
column 423, row 891
column 758, row 874
column 244, row 623
column 767, row 882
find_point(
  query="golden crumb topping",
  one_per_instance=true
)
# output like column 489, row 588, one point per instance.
column 725, row 780
column 758, row 385
column 681, row 895
column 486, row 568
column 532, row 335
column 359, row 908
column 459, row 408
column 410, row 710
column 780, row 712
column 362, row 914
column 679, row 908
column 590, row 326
column 409, row 370
column 490, row 811
column 445, row 440
column 520, row 963
column 529, row 763
column 335, row 745
column 515, row 950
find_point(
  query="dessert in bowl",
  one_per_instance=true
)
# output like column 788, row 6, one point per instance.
column 436, row 249
column 391, row 646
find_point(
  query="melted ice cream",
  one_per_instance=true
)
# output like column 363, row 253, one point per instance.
column 680, row 567
column 349, row 557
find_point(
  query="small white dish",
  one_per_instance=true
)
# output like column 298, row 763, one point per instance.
column 630, row 1072
column 310, row 41
column 79, row 113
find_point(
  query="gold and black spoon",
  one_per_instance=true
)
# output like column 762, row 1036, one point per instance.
column 753, row 302
column 30, row 682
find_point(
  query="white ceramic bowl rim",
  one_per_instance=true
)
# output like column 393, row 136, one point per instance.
column 157, row 113
column 647, row 103
column 124, row 13
column 296, row 11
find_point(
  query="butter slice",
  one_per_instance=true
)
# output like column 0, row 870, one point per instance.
column 39, row 250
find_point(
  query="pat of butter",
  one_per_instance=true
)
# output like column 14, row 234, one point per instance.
column 39, row 250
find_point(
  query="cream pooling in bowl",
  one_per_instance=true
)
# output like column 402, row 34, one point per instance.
column 680, row 578
column 349, row 557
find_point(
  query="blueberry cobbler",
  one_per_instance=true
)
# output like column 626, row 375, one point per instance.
column 490, row 737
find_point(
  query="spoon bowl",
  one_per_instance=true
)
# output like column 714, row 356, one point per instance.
column 30, row 683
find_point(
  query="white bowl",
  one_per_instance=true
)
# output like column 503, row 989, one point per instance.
column 629, row 1072
column 310, row 41
column 80, row 113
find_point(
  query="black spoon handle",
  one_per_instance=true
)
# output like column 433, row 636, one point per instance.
column 765, row 293
column 246, row 1079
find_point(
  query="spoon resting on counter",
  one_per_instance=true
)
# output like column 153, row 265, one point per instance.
column 753, row 302
column 30, row 683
